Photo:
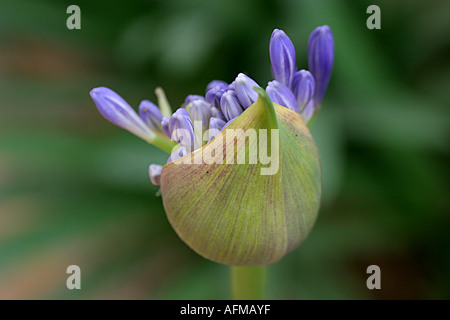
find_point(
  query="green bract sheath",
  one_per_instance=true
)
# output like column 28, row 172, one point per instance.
column 252, row 213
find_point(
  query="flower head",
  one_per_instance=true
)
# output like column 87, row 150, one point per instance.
column 239, row 213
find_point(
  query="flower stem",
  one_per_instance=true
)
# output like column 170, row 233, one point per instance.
column 163, row 143
column 248, row 283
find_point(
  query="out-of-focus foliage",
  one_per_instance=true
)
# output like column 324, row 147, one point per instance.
column 74, row 189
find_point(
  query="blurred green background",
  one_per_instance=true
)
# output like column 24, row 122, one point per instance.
column 74, row 189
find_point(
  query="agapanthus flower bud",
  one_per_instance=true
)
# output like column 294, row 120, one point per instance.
column 231, row 214
column 215, row 126
column 165, row 126
column 217, row 113
column 303, row 87
column 230, row 105
column 151, row 115
column 282, row 57
column 244, row 90
column 182, row 130
column 320, row 58
column 214, row 95
column 154, row 172
column 193, row 97
column 115, row 109
column 200, row 115
column 217, row 83
column 282, row 95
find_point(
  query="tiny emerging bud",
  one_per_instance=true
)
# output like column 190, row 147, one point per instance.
column 320, row 58
column 115, row 109
column 282, row 95
column 154, row 172
column 282, row 57
column 150, row 114
column 181, row 129
column 193, row 97
column 244, row 90
column 230, row 105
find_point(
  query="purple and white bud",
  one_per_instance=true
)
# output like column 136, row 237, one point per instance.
column 214, row 95
column 154, row 172
column 244, row 90
column 215, row 126
column 320, row 58
column 303, row 87
column 150, row 114
column 182, row 130
column 217, row 83
column 282, row 57
column 282, row 95
column 165, row 126
column 193, row 97
column 115, row 109
column 230, row 105
column 200, row 115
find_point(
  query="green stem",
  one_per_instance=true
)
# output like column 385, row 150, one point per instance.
column 163, row 143
column 248, row 283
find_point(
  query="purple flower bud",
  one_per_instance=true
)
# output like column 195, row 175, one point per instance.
column 193, row 97
column 154, row 172
column 115, row 109
column 177, row 154
column 282, row 57
column 217, row 113
column 181, row 129
column 230, row 105
column 282, row 95
column 320, row 58
column 150, row 114
column 165, row 126
column 214, row 95
column 200, row 114
column 217, row 83
column 244, row 90
column 303, row 87
column 232, row 86
column 215, row 126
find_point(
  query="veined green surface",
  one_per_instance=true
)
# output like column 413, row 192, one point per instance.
column 231, row 213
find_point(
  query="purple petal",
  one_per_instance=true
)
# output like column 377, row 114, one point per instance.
column 200, row 114
column 217, row 83
column 181, row 129
column 154, row 172
column 215, row 126
column 320, row 58
column 177, row 154
column 193, row 97
column 150, row 114
column 165, row 126
column 214, row 95
column 282, row 57
column 282, row 95
column 115, row 109
column 230, row 105
column 244, row 90
column 304, row 87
